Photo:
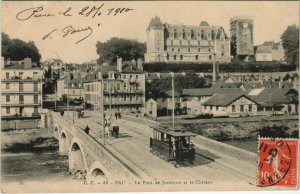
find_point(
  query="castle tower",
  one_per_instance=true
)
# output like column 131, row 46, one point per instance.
column 155, row 40
column 241, row 30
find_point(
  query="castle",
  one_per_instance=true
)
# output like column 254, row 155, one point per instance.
column 186, row 43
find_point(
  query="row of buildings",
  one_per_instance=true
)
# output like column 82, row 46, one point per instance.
column 205, row 43
column 228, row 101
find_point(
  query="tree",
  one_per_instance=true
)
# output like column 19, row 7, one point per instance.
column 117, row 47
column 190, row 80
column 290, row 43
column 17, row 49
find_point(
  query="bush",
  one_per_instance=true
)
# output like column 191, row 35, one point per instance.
column 274, row 131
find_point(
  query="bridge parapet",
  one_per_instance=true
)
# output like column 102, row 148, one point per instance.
column 114, row 163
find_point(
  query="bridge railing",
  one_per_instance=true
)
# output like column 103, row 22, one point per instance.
column 112, row 160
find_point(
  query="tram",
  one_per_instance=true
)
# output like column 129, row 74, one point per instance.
column 172, row 143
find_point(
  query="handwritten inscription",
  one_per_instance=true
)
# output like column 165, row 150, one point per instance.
column 87, row 11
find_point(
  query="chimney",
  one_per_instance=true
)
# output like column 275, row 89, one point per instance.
column 140, row 64
column 27, row 63
column 119, row 64
column 133, row 61
column 99, row 76
column 2, row 63
column 215, row 71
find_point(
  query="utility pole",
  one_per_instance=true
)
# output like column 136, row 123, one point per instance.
column 55, row 97
column 102, row 103
column 68, row 98
column 173, row 101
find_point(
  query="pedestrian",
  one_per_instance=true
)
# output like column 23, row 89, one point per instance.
column 87, row 129
column 62, row 113
column 78, row 114
column 119, row 115
column 116, row 115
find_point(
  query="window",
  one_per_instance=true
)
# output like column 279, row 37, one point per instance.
column 209, row 49
column 210, row 57
column 105, row 87
column 189, row 42
column 181, row 57
column 250, row 107
column 21, row 99
column 124, row 76
column 233, row 108
column 36, row 110
column 7, row 86
column 7, row 75
column 35, row 75
column 198, row 42
column 172, row 49
column 210, row 107
column 21, row 75
column 118, row 86
column 7, row 98
column 199, row 50
column 241, row 108
column 217, row 107
column 222, row 54
column 21, row 87
column 136, row 76
column 36, row 99
column 7, row 110
column 124, row 86
column 174, row 57
column 178, row 49
column 189, row 50
column 35, row 87
column 167, row 57
column 180, row 42
column 175, row 35
column 196, row 57
column 172, row 42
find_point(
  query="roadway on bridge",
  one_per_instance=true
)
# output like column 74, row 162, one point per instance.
column 133, row 144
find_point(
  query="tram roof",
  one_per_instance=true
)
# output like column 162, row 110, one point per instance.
column 173, row 131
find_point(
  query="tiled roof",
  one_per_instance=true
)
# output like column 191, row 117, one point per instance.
column 129, row 67
column 224, row 99
column 272, row 96
column 264, row 49
column 209, row 91
column 17, row 65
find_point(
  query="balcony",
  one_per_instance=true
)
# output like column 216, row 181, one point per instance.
column 16, row 104
column 139, row 91
column 21, row 79
column 21, row 92
column 114, row 102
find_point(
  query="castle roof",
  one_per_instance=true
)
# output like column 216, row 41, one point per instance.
column 204, row 23
column 155, row 22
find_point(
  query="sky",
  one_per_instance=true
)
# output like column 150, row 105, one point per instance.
column 270, row 21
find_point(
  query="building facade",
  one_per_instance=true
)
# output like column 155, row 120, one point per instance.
column 186, row 43
column 241, row 31
column 21, row 86
column 263, row 53
column 124, row 89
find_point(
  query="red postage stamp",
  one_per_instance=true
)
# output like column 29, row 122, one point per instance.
column 277, row 162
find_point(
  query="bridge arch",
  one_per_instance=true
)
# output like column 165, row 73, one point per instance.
column 77, row 160
column 98, row 172
column 63, row 143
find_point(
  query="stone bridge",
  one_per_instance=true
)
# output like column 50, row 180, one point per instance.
column 89, row 156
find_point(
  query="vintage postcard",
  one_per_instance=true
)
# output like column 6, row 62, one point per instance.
column 149, row 96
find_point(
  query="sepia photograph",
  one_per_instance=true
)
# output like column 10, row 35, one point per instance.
column 149, row 96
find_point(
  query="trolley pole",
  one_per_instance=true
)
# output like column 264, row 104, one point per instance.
column 173, row 101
